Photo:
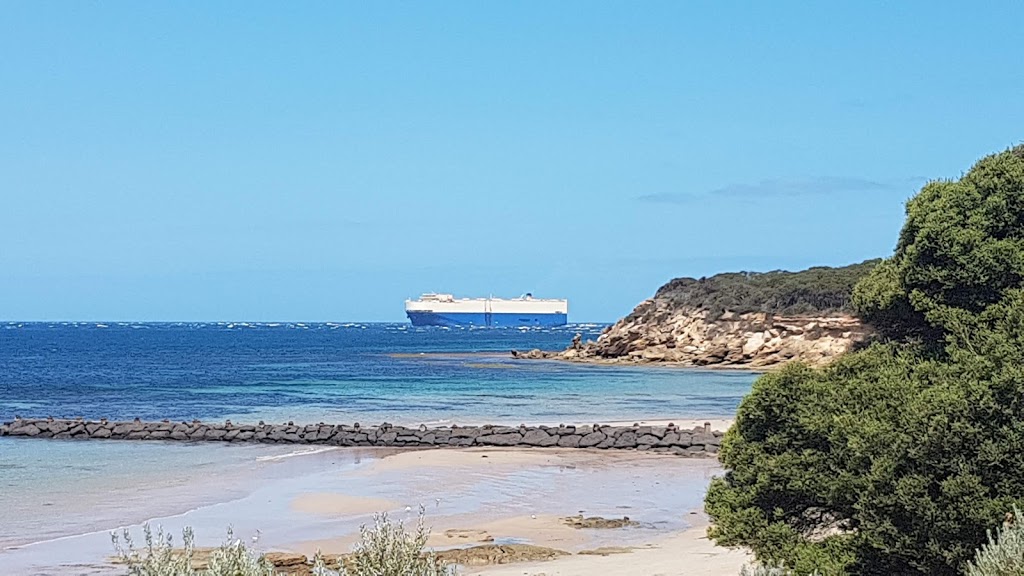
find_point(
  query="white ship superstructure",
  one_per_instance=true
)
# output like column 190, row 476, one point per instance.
column 446, row 310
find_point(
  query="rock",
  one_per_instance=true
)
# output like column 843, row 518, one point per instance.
column 539, row 438
column 647, row 440
column 579, row 522
column 26, row 430
column 491, row 554
column 684, row 440
column 569, row 441
column 285, row 559
column 510, row 439
column 626, row 440
column 592, row 439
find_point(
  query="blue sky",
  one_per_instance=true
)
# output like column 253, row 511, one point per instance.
column 326, row 160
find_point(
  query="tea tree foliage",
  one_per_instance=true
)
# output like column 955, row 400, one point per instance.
column 898, row 458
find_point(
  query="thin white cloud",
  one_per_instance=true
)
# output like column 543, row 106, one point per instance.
column 783, row 187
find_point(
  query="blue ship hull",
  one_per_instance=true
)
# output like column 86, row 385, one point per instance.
column 504, row 320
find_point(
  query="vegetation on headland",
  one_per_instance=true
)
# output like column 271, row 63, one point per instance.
column 899, row 458
column 818, row 290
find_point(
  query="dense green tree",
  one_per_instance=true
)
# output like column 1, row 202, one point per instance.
column 898, row 459
column 960, row 250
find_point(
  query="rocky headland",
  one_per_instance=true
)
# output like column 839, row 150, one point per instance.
column 737, row 320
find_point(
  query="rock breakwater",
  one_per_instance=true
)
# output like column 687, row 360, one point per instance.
column 701, row 441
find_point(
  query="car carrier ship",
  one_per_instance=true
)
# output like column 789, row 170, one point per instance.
column 446, row 310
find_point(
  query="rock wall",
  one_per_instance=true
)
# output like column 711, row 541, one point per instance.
column 670, row 439
column 658, row 332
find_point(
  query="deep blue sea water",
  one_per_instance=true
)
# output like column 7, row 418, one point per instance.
column 336, row 373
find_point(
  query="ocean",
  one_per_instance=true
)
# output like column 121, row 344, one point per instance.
column 338, row 373
column 51, row 491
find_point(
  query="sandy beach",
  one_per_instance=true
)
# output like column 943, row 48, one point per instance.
column 686, row 553
column 670, row 537
column 304, row 501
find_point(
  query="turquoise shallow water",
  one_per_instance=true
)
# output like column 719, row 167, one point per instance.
column 306, row 373
column 253, row 489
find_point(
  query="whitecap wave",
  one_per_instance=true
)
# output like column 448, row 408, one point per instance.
column 296, row 453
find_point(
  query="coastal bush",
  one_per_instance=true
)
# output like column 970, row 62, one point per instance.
column 762, row 570
column 898, row 458
column 388, row 549
column 816, row 290
column 1004, row 553
column 160, row 558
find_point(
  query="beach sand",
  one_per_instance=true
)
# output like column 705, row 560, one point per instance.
column 330, row 505
column 686, row 553
column 671, row 539
column 305, row 501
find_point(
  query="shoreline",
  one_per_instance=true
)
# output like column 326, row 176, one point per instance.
column 557, row 356
column 563, row 549
column 472, row 496
column 687, row 552
column 628, row 362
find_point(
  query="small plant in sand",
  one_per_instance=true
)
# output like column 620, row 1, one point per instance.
column 762, row 570
column 158, row 557
column 1004, row 553
column 387, row 549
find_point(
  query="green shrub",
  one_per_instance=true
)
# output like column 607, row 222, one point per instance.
column 1004, row 554
column 159, row 557
column 387, row 549
column 898, row 458
column 816, row 290
column 762, row 570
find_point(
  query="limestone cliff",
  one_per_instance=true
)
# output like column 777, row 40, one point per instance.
column 656, row 333
column 742, row 320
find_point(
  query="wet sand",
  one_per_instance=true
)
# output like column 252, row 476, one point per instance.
column 670, row 538
column 313, row 501
column 686, row 553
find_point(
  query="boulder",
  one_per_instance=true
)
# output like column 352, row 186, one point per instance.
column 647, row 440
column 592, row 439
column 538, row 437
column 509, row 439
column 572, row 441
